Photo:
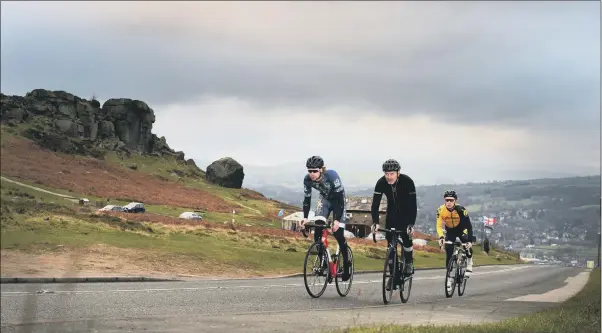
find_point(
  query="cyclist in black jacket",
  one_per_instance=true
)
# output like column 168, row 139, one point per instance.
column 401, row 207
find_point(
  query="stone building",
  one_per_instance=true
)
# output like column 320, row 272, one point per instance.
column 359, row 215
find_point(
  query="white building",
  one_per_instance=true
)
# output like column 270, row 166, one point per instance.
column 288, row 221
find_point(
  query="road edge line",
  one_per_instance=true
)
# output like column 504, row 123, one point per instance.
column 16, row 280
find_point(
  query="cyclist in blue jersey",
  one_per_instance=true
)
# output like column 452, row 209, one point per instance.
column 332, row 199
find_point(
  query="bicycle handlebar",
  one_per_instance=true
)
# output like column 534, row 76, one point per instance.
column 385, row 230
column 309, row 224
column 455, row 243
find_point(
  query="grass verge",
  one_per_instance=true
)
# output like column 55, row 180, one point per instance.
column 579, row 314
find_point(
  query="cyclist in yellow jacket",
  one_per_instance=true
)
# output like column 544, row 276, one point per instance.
column 454, row 218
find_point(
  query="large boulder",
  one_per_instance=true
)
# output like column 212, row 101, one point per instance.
column 225, row 172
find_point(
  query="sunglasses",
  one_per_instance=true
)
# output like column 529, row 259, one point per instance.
column 313, row 170
column 450, row 200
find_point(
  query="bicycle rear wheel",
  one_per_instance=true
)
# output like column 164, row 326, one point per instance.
column 450, row 276
column 389, row 276
column 317, row 269
column 343, row 287
column 462, row 278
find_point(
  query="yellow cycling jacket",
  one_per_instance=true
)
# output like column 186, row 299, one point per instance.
column 456, row 218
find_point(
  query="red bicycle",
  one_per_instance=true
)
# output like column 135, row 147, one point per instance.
column 324, row 265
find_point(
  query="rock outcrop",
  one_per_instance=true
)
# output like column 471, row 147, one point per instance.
column 64, row 122
column 225, row 172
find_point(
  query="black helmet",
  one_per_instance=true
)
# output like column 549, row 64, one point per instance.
column 450, row 193
column 314, row 162
column 391, row 165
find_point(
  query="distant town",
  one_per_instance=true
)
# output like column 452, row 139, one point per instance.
column 547, row 221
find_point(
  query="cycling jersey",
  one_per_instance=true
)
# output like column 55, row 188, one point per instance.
column 456, row 219
column 332, row 195
column 401, row 202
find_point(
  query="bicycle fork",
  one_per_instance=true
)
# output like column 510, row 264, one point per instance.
column 332, row 262
column 400, row 262
column 327, row 258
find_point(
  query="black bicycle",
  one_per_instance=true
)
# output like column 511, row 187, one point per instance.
column 397, row 277
column 456, row 269
column 324, row 265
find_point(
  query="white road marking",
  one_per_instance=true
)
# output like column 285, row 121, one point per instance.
column 573, row 286
column 55, row 292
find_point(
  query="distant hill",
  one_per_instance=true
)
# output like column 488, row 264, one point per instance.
column 560, row 203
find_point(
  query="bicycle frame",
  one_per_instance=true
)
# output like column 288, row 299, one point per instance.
column 458, row 246
column 400, row 256
column 394, row 242
column 324, row 240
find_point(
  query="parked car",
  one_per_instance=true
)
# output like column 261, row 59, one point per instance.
column 112, row 208
column 190, row 216
column 134, row 207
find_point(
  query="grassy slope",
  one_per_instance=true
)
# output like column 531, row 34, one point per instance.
column 257, row 247
column 186, row 188
column 249, row 206
column 32, row 224
column 580, row 314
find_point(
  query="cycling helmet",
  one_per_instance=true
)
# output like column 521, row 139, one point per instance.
column 450, row 193
column 391, row 165
column 314, row 162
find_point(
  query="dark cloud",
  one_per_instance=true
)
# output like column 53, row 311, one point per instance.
column 513, row 63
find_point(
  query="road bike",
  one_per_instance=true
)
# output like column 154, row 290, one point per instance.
column 389, row 282
column 457, row 267
column 325, row 265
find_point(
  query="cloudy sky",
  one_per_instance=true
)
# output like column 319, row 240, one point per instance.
column 450, row 89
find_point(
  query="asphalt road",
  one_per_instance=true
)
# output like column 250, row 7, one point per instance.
column 278, row 305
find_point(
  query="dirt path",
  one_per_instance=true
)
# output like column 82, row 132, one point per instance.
column 38, row 189
column 250, row 208
column 64, row 196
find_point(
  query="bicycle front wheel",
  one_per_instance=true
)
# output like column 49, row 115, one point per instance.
column 462, row 284
column 389, row 275
column 343, row 287
column 450, row 277
column 315, row 268
column 406, row 285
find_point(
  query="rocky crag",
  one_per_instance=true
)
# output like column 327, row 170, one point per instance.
column 63, row 122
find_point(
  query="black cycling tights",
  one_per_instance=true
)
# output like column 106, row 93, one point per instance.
column 340, row 237
column 407, row 248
